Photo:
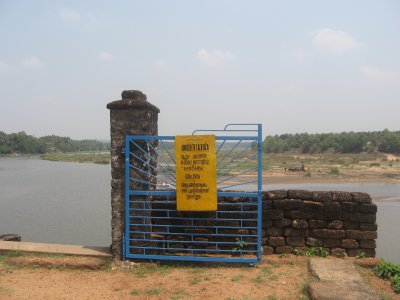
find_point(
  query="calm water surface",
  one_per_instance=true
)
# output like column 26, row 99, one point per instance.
column 55, row 202
column 69, row 203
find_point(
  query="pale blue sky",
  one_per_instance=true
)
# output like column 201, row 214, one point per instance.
column 294, row 66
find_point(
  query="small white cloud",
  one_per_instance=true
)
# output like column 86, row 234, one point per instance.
column 379, row 74
column 105, row 56
column 159, row 63
column 70, row 15
column 214, row 57
column 334, row 42
column 31, row 62
column 4, row 67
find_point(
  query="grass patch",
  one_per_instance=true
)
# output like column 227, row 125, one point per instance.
column 143, row 271
column 179, row 294
column 14, row 253
column 334, row 171
column 266, row 271
column 196, row 280
column 237, row 278
column 98, row 158
column 135, row 292
column 258, row 279
column 153, row 292
column 5, row 291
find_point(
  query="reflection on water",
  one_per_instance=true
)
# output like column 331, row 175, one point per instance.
column 69, row 203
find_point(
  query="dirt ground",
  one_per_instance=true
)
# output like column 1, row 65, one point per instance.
column 275, row 278
column 32, row 277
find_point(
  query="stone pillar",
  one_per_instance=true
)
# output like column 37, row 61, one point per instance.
column 135, row 116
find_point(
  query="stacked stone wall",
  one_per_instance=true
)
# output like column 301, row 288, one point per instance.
column 340, row 222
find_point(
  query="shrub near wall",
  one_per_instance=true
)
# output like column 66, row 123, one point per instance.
column 340, row 222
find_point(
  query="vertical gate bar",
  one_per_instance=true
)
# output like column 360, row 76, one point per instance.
column 127, row 196
column 259, row 148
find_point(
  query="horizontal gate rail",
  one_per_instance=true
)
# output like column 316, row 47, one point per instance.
column 155, row 229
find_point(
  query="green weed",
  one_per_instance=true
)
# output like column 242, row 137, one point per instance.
column 298, row 252
column 386, row 269
column 361, row 255
column 317, row 251
column 179, row 294
column 341, row 254
column 239, row 245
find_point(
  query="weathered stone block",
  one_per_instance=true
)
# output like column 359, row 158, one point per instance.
column 313, row 242
column 327, row 233
column 267, row 204
column 339, row 252
column 295, row 232
column 295, row 241
column 317, row 224
column 349, row 206
column 282, row 222
column 351, row 225
column 362, row 217
column 276, row 194
column 368, row 244
column 368, row 208
column 273, row 231
column 361, row 197
column 355, row 252
column 330, row 243
column 349, row 244
column 299, row 194
column 341, row 196
column 274, row 214
column 313, row 206
column 268, row 223
column 332, row 207
column 336, row 224
column 368, row 226
column 10, row 237
column 361, row 235
column 296, row 214
column 322, row 196
column 276, row 241
column 268, row 250
column 284, row 249
column 300, row 224
column 287, row 204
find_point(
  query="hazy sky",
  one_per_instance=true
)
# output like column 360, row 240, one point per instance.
column 294, row 66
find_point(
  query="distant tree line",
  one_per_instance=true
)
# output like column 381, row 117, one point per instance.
column 346, row 142
column 27, row 144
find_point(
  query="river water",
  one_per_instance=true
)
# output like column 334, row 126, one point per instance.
column 69, row 203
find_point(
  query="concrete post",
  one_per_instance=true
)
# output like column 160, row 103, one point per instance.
column 135, row 116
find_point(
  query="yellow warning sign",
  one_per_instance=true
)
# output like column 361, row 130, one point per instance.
column 196, row 175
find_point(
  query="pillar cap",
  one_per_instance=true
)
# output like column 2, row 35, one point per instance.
column 132, row 99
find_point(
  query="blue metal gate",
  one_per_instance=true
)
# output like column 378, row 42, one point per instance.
column 154, row 229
